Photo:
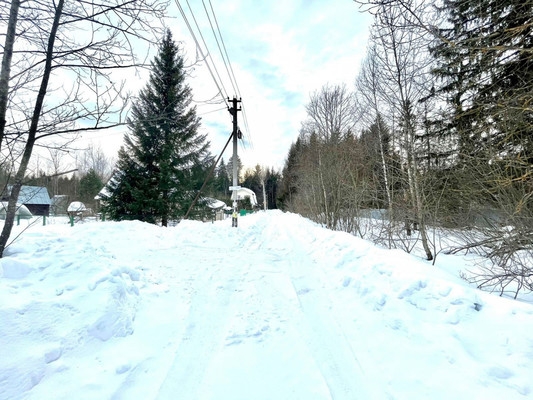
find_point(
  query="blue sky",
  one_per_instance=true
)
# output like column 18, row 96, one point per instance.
column 280, row 53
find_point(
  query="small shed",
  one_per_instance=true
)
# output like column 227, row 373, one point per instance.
column 76, row 208
column 35, row 198
column 220, row 209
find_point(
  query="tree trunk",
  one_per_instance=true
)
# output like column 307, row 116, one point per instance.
column 21, row 172
column 264, row 194
column 6, row 65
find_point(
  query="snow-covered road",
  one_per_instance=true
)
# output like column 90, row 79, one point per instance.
column 257, row 305
column 278, row 308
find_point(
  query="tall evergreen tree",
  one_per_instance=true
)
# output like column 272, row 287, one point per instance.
column 485, row 62
column 164, row 158
column 290, row 173
column 271, row 183
column 221, row 182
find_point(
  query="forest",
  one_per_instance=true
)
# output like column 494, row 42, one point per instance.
column 436, row 134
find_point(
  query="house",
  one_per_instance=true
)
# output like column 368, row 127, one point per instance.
column 35, row 198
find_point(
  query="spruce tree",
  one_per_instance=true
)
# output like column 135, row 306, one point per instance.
column 222, row 182
column 485, row 66
column 485, row 71
column 271, row 183
column 90, row 185
column 290, row 173
column 163, row 160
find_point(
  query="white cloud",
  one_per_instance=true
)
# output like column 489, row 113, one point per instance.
column 280, row 53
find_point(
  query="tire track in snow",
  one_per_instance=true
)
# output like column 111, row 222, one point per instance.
column 315, row 317
column 337, row 360
column 206, row 324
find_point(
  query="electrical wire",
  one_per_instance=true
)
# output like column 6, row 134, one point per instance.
column 207, row 48
column 247, row 142
column 229, row 70
column 201, row 52
column 212, row 111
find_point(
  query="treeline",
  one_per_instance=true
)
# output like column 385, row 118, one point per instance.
column 263, row 181
column 438, row 132
column 83, row 183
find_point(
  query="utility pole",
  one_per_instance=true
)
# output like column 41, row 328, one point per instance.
column 236, row 135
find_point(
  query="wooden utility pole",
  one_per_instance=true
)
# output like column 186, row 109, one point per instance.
column 236, row 133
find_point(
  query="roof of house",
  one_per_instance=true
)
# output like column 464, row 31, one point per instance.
column 34, row 195
column 215, row 204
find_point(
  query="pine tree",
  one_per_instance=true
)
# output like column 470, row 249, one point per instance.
column 163, row 160
column 90, row 185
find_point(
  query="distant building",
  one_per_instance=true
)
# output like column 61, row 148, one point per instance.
column 35, row 198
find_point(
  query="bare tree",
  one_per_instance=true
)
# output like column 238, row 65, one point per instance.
column 93, row 157
column 56, row 162
column 7, row 57
column 70, row 49
column 369, row 90
column 331, row 113
column 404, row 60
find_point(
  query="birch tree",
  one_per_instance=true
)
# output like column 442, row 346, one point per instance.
column 404, row 62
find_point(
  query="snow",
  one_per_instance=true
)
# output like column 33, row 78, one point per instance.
column 278, row 308
column 76, row 206
column 216, row 204
column 21, row 210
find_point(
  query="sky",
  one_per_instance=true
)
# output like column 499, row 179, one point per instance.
column 280, row 53
column 278, row 308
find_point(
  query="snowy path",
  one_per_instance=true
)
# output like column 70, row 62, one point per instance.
column 268, row 297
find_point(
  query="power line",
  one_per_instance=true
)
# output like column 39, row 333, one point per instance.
column 230, row 74
column 207, row 48
column 225, row 58
column 201, row 52
column 247, row 127
column 212, row 111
